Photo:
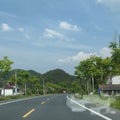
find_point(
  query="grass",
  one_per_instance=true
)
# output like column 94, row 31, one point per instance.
column 11, row 97
column 2, row 98
column 103, row 100
column 116, row 103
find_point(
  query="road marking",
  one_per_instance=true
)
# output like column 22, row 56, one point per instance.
column 42, row 102
column 19, row 100
column 106, row 118
column 28, row 113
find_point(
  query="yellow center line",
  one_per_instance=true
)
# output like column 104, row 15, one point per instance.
column 42, row 102
column 28, row 113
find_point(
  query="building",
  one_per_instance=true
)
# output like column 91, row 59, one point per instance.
column 112, row 88
column 9, row 90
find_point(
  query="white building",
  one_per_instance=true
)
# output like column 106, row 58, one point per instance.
column 9, row 92
column 116, row 80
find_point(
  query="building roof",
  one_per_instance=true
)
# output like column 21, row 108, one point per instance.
column 109, row 87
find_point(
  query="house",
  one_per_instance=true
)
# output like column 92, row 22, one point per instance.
column 9, row 90
column 112, row 87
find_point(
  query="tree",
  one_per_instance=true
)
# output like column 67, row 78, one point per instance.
column 115, row 58
column 5, row 66
column 92, row 72
column 24, row 77
column 113, row 45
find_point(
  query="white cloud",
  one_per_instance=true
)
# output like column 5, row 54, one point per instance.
column 21, row 29
column 67, row 26
column 99, row 1
column 54, row 34
column 104, row 52
column 114, row 5
column 76, row 58
column 5, row 27
column 27, row 36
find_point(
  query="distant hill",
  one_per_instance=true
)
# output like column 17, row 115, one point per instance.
column 54, row 76
column 57, row 76
column 34, row 73
column 56, row 81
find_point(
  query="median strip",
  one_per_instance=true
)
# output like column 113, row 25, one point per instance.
column 28, row 113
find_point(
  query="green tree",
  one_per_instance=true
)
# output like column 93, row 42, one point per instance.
column 113, row 45
column 92, row 72
column 24, row 78
column 5, row 66
column 115, row 58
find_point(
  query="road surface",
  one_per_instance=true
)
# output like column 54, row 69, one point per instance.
column 53, row 107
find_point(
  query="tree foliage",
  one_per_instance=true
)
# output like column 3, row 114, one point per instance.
column 5, row 65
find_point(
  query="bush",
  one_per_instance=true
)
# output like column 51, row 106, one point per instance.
column 115, row 104
column 117, row 97
column 11, row 97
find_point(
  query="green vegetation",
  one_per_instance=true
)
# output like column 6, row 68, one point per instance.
column 31, row 82
column 116, row 103
column 89, row 74
column 96, row 70
column 15, row 97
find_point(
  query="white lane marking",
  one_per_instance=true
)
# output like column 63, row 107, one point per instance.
column 106, row 118
column 18, row 100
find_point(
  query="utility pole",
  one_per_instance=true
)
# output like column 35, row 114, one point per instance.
column 15, row 83
column 43, row 87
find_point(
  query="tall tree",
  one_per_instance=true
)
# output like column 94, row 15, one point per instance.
column 92, row 72
column 113, row 45
column 24, row 78
column 115, row 58
column 5, row 66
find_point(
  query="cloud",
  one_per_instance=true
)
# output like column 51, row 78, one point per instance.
column 114, row 5
column 76, row 58
column 21, row 29
column 54, row 34
column 104, row 52
column 5, row 27
column 67, row 26
column 27, row 36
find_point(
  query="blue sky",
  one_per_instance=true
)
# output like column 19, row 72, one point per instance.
column 49, row 34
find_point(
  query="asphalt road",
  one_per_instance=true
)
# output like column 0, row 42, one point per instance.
column 53, row 107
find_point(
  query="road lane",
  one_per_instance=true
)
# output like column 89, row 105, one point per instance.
column 15, row 110
column 57, row 109
column 52, row 107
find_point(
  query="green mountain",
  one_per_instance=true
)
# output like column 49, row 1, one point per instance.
column 57, row 76
column 53, row 76
column 55, row 81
